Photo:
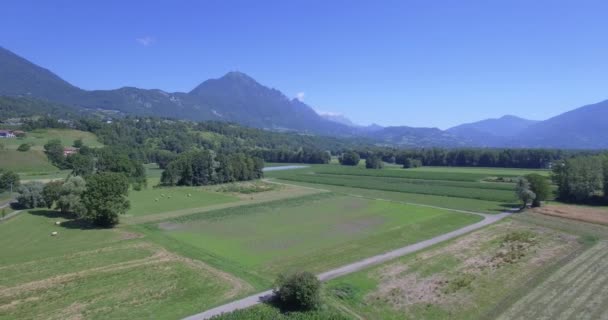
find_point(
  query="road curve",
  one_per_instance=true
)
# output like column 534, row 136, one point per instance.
column 356, row 266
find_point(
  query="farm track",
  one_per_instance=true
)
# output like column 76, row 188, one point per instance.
column 362, row 264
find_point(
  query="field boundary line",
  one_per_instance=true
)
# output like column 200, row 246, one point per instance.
column 356, row 266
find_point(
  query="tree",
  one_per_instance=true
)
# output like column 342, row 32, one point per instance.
column 23, row 147
column 105, row 198
column 373, row 162
column 8, row 180
column 349, row 158
column 539, row 185
column 70, row 196
column 30, row 195
column 298, row 291
column 522, row 189
column 54, row 151
column 579, row 179
column 77, row 143
column 82, row 165
column 412, row 163
column 51, row 192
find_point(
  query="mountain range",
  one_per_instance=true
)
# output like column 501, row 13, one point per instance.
column 236, row 97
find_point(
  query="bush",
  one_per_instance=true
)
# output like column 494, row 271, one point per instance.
column 298, row 291
column 349, row 158
column 412, row 163
column 373, row 162
column 23, row 147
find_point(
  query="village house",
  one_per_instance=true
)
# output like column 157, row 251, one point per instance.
column 69, row 150
column 7, row 134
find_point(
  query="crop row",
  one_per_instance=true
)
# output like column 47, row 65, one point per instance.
column 378, row 183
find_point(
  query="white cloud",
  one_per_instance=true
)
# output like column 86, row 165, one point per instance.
column 300, row 96
column 146, row 41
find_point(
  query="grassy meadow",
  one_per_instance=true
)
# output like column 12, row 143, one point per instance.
column 99, row 274
column 456, row 188
column 39, row 137
column 311, row 233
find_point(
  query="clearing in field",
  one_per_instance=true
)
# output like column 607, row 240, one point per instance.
column 100, row 274
column 310, row 233
column 465, row 278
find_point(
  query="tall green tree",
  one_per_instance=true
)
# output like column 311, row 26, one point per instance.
column 82, row 165
column 54, row 152
column 51, row 193
column 540, row 186
column 8, row 180
column 70, row 194
column 523, row 192
column 105, row 198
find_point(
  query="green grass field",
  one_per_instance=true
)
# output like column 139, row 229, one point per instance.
column 24, row 162
column 39, row 137
column 450, row 184
column 156, row 200
column 311, row 233
column 504, row 172
column 99, row 274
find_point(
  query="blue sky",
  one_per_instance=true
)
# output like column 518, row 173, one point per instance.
column 417, row 63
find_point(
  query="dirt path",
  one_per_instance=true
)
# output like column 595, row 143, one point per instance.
column 357, row 266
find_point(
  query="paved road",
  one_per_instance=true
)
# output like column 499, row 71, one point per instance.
column 280, row 168
column 357, row 266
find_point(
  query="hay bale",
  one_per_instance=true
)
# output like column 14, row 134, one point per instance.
column 57, row 222
column 54, row 233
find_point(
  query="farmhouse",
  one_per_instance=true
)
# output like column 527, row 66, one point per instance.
column 6, row 134
column 69, row 150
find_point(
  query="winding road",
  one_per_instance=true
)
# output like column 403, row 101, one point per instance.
column 359, row 265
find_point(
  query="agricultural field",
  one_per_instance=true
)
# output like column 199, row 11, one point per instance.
column 313, row 233
column 32, row 161
column 474, row 276
column 39, row 137
column 99, row 274
column 578, row 290
column 486, row 171
column 151, row 200
column 467, row 190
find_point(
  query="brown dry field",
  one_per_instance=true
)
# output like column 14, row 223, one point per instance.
column 586, row 214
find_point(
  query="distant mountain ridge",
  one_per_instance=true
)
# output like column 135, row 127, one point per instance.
column 238, row 98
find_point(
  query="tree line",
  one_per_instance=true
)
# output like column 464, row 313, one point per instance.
column 582, row 179
column 205, row 167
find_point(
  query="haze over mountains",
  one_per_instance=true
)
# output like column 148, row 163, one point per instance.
column 236, row 97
